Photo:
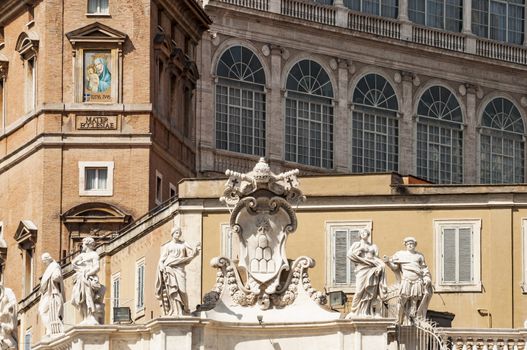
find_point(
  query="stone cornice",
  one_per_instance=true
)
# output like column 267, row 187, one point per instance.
column 10, row 8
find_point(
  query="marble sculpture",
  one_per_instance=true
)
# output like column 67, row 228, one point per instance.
column 370, row 278
column 51, row 307
column 8, row 319
column 415, row 282
column 170, row 285
column 88, row 292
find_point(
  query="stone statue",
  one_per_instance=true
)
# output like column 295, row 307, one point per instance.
column 8, row 319
column 51, row 307
column 88, row 292
column 415, row 289
column 171, row 278
column 370, row 277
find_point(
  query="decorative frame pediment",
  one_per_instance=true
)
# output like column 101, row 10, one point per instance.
column 26, row 234
column 96, row 33
column 27, row 44
column 95, row 212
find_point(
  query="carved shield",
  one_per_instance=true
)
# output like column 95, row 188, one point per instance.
column 262, row 226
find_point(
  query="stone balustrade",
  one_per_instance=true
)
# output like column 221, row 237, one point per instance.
column 310, row 11
column 484, row 339
column 340, row 16
column 382, row 26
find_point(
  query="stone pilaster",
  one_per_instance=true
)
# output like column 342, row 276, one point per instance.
column 341, row 120
column 470, row 144
column 275, row 124
column 467, row 16
column 406, row 127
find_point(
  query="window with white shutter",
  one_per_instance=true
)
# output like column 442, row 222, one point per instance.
column 140, row 286
column 340, row 271
column 458, row 255
column 116, row 290
column 524, row 256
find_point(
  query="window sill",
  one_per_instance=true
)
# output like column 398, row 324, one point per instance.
column 139, row 314
column 104, row 193
column 98, row 15
column 345, row 289
column 458, row 288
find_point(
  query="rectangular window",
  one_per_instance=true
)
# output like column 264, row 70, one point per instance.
column 172, row 190
column 95, row 178
column 116, row 291
column 458, row 255
column 2, row 105
column 27, row 339
column 159, row 188
column 524, row 255
column 500, row 20
column 340, row 274
column 29, row 271
column 229, row 242
column 140, row 286
column 98, row 7
column 30, row 84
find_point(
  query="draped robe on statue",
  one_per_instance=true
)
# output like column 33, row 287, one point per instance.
column 171, row 277
column 52, row 298
column 370, row 280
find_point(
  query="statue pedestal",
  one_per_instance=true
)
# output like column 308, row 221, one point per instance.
column 191, row 333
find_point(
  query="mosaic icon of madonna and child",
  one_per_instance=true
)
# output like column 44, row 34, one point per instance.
column 97, row 77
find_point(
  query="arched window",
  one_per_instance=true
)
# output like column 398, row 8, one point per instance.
column 499, row 19
column 309, row 115
column 439, row 137
column 501, row 143
column 240, row 102
column 374, row 126
column 442, row 14
column 385, row 8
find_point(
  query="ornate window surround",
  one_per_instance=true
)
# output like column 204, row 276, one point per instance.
column 97, row 37
column 476, row 285
column 331, row 228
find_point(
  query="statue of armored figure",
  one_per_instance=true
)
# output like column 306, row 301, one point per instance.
column 415, row 288
column 171, row 278
column 88, row 292
column 51, row 307
column 8, row 319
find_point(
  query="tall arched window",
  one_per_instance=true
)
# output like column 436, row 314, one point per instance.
column 442, row 14
column 439, row 137
column 385, row 8
column 374, row 126
column 240, row 102
column 501, row 143
column 309, row 115
column 499, row 19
